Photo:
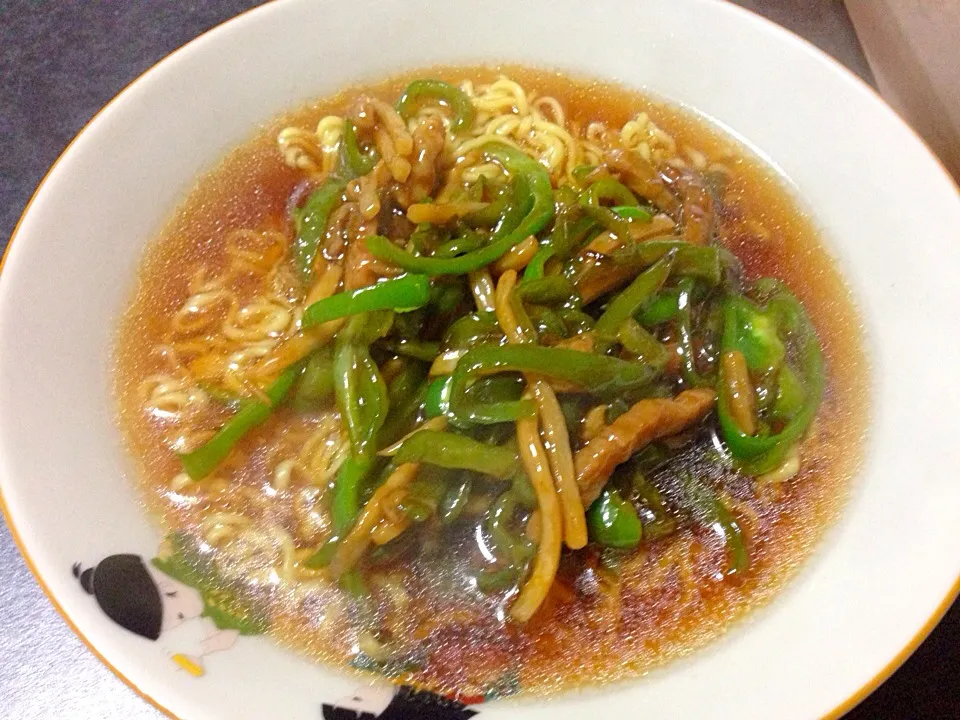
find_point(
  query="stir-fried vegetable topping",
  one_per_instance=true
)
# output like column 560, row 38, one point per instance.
column 534, row 408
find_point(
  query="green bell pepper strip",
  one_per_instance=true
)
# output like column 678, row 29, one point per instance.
column 633, row 212
column 404, row 414
column 311, row 223
column 361, row 395
column 576, row 320
column 417, row 349
column 491, row 214
column 580, row 172
column 548, row 321
column 660, row 309
column 405, row 383
column 354, row 585
column 457, row 452
column 688, row 360
column 223, row 396
column 702, row 262
column 756, row 454
column 566, row 240
column 363, row 402
column 514, row 551
column 536, row 268
column 613, row 521
column 424, row 496
column 324, row 555
column 426, row 237
column 609, row 189
column 491, row 581
column 468, row 242
column 358, row 162
column 790, row 394
column 452, row 96
column 522, row 490
column 659, row 524
column 497, row 388
column 529, row 177
column 640, row 342
column 548, row 291
column 708, row 510
column 576, row 235
column 753, row 332
column 316, row 383
column 204, row 460
column 454, row 500
column 628, row 301
column 470, row 329
column 406, row 292
column 345, row 505
column 437, row 401
column 597, row 374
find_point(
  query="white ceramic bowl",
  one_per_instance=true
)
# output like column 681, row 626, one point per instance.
column 883, row 575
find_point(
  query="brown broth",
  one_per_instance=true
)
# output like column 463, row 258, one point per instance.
column 597, row 625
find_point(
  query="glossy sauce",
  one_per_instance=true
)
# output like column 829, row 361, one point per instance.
column 604, row 620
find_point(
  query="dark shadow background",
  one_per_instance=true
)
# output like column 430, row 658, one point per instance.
column 60, row 62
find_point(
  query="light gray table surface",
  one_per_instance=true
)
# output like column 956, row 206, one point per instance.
column 59, row 63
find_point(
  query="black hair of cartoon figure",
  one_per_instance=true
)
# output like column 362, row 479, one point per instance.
column 407, row 704
column 126, row 592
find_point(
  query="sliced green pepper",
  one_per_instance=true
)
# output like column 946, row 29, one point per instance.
column 201, row 462
column 451, row 96
column 790, row 394
column 633, row 212
column 454, row 499
column 660, row 309
column 607, row 188
column 316, row 383
column 628, row 301
column 417, row 349
column 467, row 242
column 691, row 374
column 345, row 505
column 613, row 521
column 750, row 330
column 457, row 452
column 548, row 291
column 642, row 344
column 311, row 223
column 404, row 415
column 700, row 500
column 358, row 162
column 363, row 402
column 472, row 329
column 513, row 550
column 657, row 523
column 597, row 374
column 403, row 293
column 437, row 401
column 754, row 333
column 703, row 263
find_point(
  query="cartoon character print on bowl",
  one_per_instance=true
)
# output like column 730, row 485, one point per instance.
column 174, row 597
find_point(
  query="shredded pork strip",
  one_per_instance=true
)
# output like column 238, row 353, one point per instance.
column 646, row 421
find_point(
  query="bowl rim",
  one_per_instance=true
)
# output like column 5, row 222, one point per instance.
column 892, row 665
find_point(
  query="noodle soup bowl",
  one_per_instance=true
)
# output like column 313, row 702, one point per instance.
column 882, row 575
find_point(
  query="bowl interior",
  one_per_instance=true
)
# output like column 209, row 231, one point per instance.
column 885, row 207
